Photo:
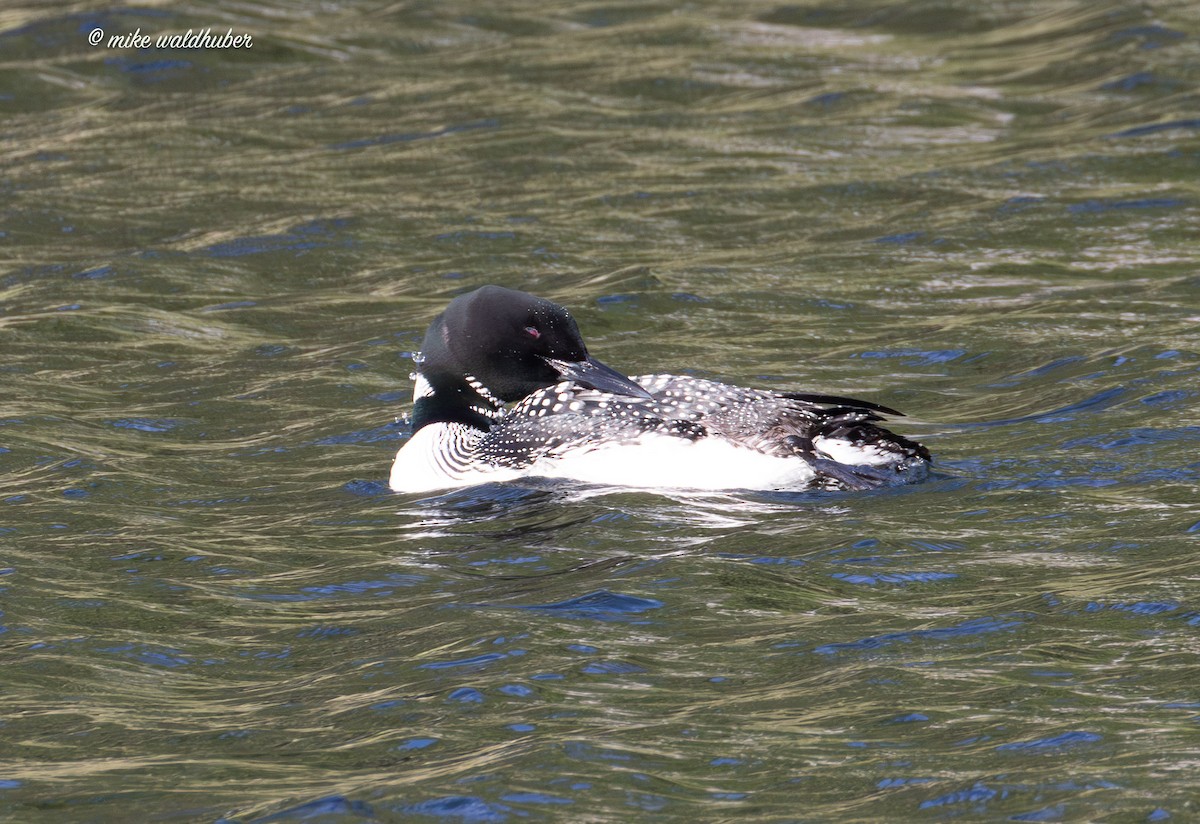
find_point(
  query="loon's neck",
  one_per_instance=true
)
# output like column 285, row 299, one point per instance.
column 462, row 401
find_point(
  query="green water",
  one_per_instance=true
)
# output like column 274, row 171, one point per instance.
column 214, row 265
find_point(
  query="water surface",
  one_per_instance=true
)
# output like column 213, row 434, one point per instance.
column 214, row 267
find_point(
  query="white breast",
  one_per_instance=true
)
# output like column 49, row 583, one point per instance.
column 441, row 456
column 662, row 461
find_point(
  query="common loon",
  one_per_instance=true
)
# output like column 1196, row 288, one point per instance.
column 573, row 417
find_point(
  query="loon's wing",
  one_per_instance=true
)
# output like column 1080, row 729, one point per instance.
column 841, row 402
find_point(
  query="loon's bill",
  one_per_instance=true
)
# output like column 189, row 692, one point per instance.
column 592, row 374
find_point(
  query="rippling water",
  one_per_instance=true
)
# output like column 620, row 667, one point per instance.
column 217, row 262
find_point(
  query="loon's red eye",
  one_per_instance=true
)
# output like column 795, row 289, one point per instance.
column 532, row 332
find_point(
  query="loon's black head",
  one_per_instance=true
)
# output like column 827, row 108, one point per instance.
column 512, row 343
